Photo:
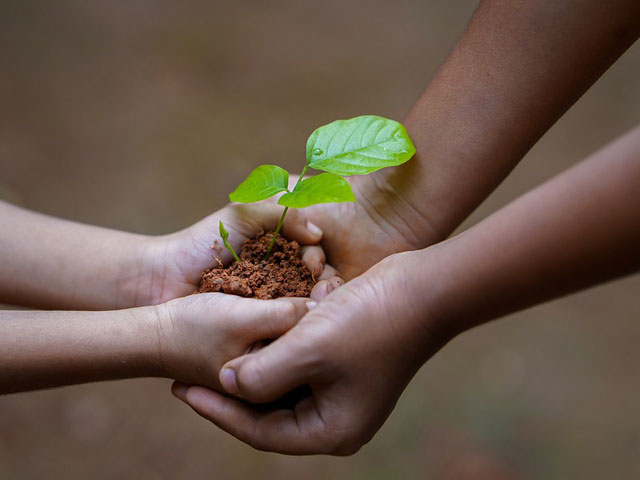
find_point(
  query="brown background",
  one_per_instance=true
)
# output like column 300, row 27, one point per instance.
column 143, row 116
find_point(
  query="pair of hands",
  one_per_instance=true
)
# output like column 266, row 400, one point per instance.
column 346, row 348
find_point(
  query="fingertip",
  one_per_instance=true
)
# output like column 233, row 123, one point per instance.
column 325, row 287
column 314, row 230
column 179, row 390
column 292, row 308
column 204, row 401
column 228, row 380
column 327, row 272
column 314, row 258
column 298, row 228
column 320, row 290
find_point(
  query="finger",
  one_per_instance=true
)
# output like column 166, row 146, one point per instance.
column 297, row 227
column 179, row 390
column 325, row 287
column 267, row 319
column 282, row 431
column 266, row 375
column 327, row 272
column 314, row 259
column 320, row 290
column 336, row 282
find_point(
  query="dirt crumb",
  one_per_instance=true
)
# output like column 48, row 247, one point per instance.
column 283, row 275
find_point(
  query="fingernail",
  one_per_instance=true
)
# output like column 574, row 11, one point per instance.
column 179, row 390
column 228, row 381
column 313, row 228
column 311, row 305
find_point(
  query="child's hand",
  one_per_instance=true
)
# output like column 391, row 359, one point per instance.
column 199, row 333
column 170, row 266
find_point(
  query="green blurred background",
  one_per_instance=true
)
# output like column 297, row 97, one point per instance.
column 144, row 115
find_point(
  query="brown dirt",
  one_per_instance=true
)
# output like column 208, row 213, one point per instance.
column 284, row 274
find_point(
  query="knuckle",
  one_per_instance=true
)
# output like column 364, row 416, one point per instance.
column 292, row 310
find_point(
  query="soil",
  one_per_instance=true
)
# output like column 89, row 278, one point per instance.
column 284, row 274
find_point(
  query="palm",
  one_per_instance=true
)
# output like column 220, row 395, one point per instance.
column 358, row 235
column 173, row 264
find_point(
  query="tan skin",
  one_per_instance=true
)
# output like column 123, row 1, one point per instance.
column 510, row 77
column 188, row 339
column 49, row 262
column 86, row 267
column 577, row 230
column 516, row 69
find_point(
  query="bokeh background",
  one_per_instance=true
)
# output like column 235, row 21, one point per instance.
column 144, row 115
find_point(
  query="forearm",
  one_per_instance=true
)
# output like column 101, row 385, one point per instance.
column 51, row 349
column 575, row 231
column 53, row 263
column 517, row 68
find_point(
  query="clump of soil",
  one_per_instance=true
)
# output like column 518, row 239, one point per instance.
column 284, row 274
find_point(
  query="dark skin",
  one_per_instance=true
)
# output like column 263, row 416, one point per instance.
column 517, row 68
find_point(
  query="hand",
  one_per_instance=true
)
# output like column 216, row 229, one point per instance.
column 357, row 350
column 381, row 222
column 199, row 333
column 170, row 266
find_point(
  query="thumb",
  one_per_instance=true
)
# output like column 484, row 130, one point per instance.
column 297, row 227
column 270, row 373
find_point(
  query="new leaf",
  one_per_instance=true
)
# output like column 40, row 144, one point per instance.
column 359, row 145
column 323, row 188
column 225, row 240
column 262, row 183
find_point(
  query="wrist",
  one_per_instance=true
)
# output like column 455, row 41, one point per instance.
column 430, row 306
column 403, row 284
column 453, row 286
column 148, row 343
column 387, row 196
column 140, row 265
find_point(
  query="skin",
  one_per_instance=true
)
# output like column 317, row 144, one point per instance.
column 58, row 264
column 516, row 69
column 188, row 338
column 400, row 312
column 82, row 266
column 509, row 78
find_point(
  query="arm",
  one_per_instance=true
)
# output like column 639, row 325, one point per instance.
column 362, row 344
column 187, row 339
column 52, row 263
column 49, row 262
column 516, row 69
column 50, row 349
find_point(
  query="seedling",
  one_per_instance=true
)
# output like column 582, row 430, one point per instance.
column 356, row 146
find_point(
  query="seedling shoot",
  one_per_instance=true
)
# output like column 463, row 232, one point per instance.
column 356, row 146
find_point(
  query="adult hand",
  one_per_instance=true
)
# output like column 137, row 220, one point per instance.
column 357, row 350
column 381, row 222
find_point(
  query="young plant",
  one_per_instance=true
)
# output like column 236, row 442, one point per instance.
column 356, row 146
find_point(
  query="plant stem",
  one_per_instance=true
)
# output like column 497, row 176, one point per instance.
column 275, row 234
column 281, row 221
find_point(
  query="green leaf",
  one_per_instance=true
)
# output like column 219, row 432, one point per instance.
column 263, row 182
column 323, row 188
column 359, row 145
column 225, row 237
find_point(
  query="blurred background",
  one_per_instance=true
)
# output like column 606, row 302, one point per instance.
column 143, row 115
